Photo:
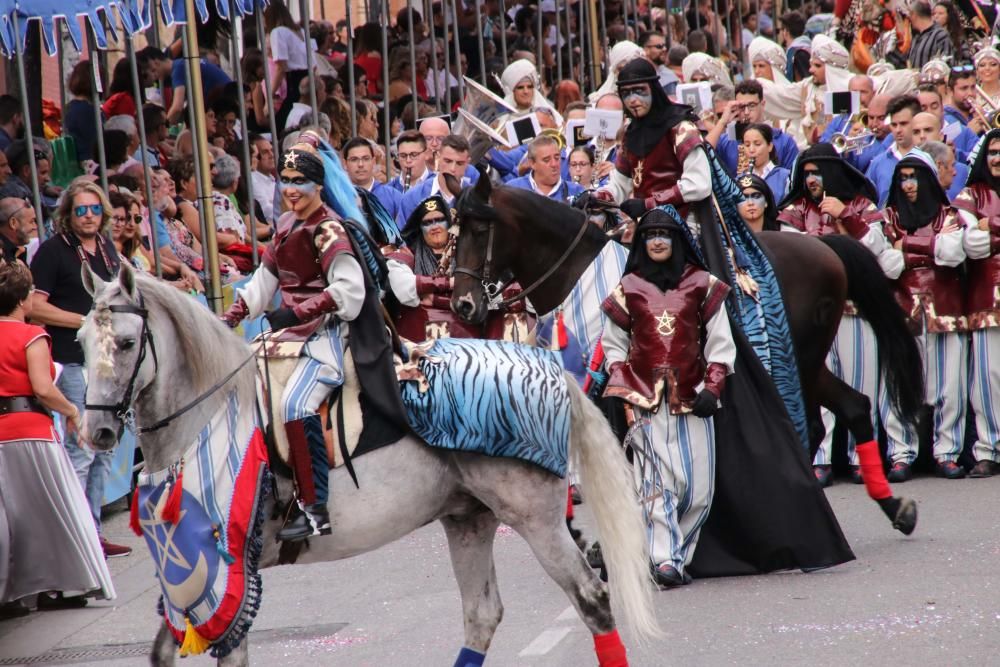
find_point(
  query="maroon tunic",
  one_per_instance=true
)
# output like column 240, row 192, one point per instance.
column 983, row 289
column 655, row 176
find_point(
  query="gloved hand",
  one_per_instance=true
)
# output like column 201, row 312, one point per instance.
column 282, row 318
column 633, row 208
column 603, row 195
column 706, row 404
column 235, row 314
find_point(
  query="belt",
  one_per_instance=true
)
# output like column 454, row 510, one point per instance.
column 11, row 404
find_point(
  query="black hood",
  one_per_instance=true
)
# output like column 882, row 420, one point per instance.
column 930, row 195
column 840, row 178
column 665, row 275
column 979, row 171
column 755, row 182
column 424, row 259
column 643, row 134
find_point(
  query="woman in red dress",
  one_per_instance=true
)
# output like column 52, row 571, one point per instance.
column 48, row 541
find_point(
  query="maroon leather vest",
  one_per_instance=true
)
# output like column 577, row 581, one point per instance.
column 667, row 331
column 931, row 295
column 663, row 166
column 804, row 215
column 983, row 306
column 300, row 255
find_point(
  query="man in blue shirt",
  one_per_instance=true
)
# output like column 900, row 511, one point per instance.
column 11, row 120
column 359, row 156
column 411, row 150
column 901, row 111
column 545, row 177
column 865, row 88
column 964, row 139
column 212, row 78
column 952, row 175
column 453, row 159
column 748, row 108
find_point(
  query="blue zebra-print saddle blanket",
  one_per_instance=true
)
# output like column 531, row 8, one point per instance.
column 490, row 397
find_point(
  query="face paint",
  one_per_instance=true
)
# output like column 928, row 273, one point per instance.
column 431, row 224
column 303, row 185
column 815, row 176
column 756, row 197
column 643, row 95
column 657, row 235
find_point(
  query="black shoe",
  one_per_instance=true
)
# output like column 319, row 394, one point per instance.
column 667, row 576
column 574, row 494
column 9, row 610
column 824, row 475
column 856, row 475
column 899, row 473
column 48, row 602
column 949, row 470
column 594, row 556
column 983, row 469
column 314, row 521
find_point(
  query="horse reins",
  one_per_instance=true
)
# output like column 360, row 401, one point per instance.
column 123, row 408
column 484, row 274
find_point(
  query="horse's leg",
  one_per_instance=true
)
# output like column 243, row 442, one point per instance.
column 854, row 409
column 164, row 648
column 238, row 657
column 470, row 541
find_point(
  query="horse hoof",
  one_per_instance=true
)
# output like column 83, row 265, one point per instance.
column 905, row 520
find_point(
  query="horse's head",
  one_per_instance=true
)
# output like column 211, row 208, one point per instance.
column 118, row 348
column 481, row 250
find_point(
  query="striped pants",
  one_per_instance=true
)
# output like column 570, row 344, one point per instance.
column 945, row 357
column 985, row 374
column 674, row 471
column 318, row 372
column 854, row 359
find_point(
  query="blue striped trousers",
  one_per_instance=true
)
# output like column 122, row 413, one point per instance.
column 318, row 372
column 984, row 368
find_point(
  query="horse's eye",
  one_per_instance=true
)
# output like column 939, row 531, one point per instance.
column 126, row 343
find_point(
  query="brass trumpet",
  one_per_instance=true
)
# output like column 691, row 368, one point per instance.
column 987, row 111
column 845, row 144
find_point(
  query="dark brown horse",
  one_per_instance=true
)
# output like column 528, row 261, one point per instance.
column 547, row 245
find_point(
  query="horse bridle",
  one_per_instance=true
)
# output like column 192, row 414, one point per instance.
column 485, row 272
column 123, row 409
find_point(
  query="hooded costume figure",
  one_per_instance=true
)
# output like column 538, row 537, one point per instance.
column 853, row 356
column 424, row 288
column 328, row 302
column 669, row 348
column 926, row 249
column 979, row 210
column 802, row 210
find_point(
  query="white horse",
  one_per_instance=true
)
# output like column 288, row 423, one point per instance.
column 402, row 486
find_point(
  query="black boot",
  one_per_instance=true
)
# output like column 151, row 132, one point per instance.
column 314, row 521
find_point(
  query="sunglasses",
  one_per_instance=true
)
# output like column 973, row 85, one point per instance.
column 959, row 69
column 95, row 209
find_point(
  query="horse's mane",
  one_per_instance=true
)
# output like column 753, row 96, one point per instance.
column 205, row 345
column 542, row 213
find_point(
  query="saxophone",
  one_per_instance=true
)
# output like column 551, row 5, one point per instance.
column 598, row 159
column 407, row 176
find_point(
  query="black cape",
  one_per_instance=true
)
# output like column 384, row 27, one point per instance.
column 768, row 513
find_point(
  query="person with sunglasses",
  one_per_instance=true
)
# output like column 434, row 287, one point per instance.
column 961, row 94
column 60, row 302
column 829, row 196
column 668, row 349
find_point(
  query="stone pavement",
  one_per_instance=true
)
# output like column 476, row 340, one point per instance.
column 930, row 599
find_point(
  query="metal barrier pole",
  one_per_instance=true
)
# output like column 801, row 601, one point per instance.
column 558, row 48
column 540, row 39
column 458, row 55
column 447, row 71
column 482, row 50
column 350, row 71
column 386, row 122
column 309, row 59
column 95, row 101
column 569, row 44
column 414, row 97
column 147, row 181
column 28, row 136
column 244, row 132
column 503, row 33
column 200, row 144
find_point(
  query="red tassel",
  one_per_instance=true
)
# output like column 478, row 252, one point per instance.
column 172, row 508
column 563, row 337
column 133, row 514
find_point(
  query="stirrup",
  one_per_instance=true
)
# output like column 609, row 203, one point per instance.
column 314, row 521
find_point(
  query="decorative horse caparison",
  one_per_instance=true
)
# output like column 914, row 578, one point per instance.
column 402, row 487
column 547, row 245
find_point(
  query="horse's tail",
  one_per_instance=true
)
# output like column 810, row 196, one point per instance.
column 607, row 484
column 898, row 354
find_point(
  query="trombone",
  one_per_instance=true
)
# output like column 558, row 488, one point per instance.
column 845, row 144
column 987, row 111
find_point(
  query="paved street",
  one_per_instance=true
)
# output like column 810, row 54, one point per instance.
column 930, row 599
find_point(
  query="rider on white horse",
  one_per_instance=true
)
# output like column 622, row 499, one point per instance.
column 322, row 288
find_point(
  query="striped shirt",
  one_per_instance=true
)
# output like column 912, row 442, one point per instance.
column 929, row 44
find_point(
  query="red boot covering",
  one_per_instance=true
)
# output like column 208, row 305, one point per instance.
column 569, row 504
column 610, row 650
column 871, row 471
column 301, row 463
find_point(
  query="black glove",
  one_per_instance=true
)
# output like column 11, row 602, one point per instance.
column 633, row 208
column 705, row 405
column 282, row 318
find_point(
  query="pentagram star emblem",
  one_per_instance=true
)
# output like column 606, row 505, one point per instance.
column 665, row 324
column 290, row 161
column 162, row 534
